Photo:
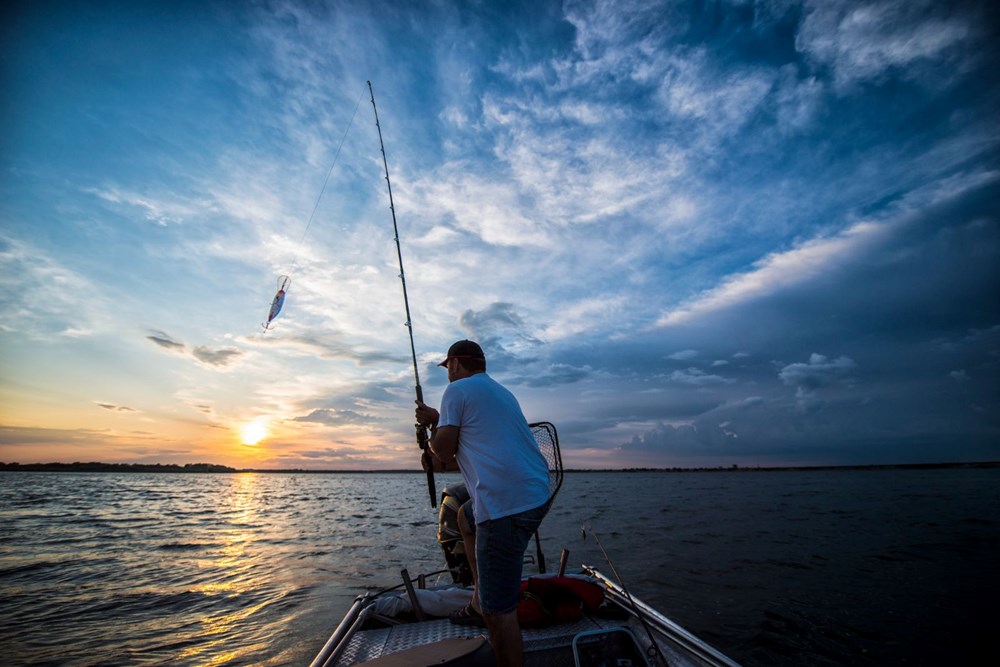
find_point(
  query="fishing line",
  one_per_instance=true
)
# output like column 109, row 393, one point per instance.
column 330, row 173
column 285, row 281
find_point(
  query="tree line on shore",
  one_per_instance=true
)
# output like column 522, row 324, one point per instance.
column 95, row 466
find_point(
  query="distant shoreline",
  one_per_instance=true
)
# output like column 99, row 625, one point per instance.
column 201, row 468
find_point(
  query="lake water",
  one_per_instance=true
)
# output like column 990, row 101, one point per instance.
column 789, row 568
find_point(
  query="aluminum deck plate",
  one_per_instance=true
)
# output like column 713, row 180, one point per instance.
column 371, row 644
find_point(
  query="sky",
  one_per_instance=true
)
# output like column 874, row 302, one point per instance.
column 749, row 233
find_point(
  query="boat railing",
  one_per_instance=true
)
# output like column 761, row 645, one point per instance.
column 334, row 646
column 664, row 625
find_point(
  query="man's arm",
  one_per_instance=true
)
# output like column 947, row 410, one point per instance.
column 444, row 442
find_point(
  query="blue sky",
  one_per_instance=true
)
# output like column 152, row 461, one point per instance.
column 687, row 233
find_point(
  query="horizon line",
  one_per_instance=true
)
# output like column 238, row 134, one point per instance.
column 202, row 468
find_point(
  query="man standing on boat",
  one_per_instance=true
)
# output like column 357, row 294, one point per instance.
column 481, row 425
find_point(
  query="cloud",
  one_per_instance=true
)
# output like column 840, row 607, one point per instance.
column 497, row 315
column 41, row 445
column 344, row 455
column 498, row 320
column 721, row 102
column 582, row 317
column 551, row 375
column 330, row 347
column 160, row 211
column 41, row 297
column 165, row 341
column 694, row 376
column 760, row 180
column 489, row 210
column 115, row 408
column 868, row 40
column 211, row 357
column 218, row 357
column 780, row 270
column 683, row 439
column 818, row 372
column 332, row 417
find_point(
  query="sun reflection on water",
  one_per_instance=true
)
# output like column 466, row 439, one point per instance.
column 231, row 568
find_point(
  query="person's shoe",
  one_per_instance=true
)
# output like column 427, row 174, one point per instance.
column 467, row 615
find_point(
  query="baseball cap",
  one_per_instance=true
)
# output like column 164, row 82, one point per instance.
column 464, row 349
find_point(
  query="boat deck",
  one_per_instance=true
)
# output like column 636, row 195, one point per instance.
column 543, row 647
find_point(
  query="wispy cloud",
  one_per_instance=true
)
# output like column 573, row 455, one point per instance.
column 864, row 41
column 115, row 408
column 779, row 271
column 216, row 357
column 159, row 211
column 42, row 297
column 211, row 357
column 332, row 417
column 165, row 341
column 697, row 377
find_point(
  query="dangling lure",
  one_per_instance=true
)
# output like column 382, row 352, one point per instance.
column 279, row 300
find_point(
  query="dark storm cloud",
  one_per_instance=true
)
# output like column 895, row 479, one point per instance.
column 685, row 438
column 496, row 315
column 488, row 325
column 889, row 353
column 809, row 377
column 698, row 377
column 549, row 376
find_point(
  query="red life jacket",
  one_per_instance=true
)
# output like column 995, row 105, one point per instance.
column 548, row 600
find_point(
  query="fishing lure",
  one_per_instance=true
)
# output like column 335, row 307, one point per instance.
column 279, row 300
column 285, row 281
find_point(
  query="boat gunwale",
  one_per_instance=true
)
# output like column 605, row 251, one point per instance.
column 696, row 649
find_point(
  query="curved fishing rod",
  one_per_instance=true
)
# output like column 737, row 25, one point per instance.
column 423, row 440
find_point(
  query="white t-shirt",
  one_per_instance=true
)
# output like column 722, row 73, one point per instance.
column 503, row 470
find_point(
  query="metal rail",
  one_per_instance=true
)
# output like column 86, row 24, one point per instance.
column 332, row 648
column 664, row 625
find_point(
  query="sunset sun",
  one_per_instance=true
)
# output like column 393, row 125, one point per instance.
column 254, row 431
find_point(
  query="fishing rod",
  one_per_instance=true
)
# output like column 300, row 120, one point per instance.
column 654, row 649
column 423, row 439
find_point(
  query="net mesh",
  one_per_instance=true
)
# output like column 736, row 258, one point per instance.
column 548, row 443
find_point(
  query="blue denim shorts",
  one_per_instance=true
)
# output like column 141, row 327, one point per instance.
column 500, row 546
